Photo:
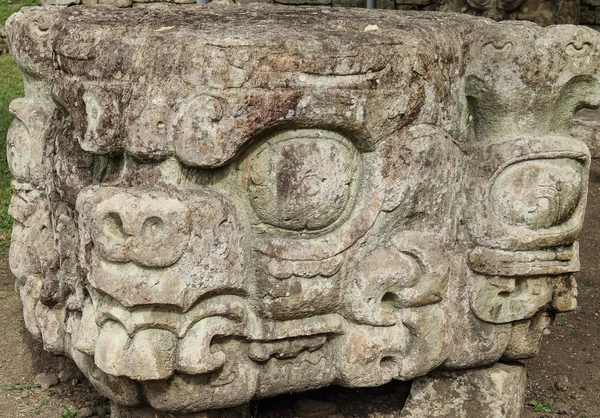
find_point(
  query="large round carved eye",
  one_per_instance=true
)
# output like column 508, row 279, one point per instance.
column 482, row 4
column 537, row 194
column 301, row 180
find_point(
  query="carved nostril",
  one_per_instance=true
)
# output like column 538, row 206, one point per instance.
column 152, row 228
column 110, row 237
column 112, row 226
column 162, row 239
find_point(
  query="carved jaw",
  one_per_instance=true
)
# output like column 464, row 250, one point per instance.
column 152, row 343
column 511, row 286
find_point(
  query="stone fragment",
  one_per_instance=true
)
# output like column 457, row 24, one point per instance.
column 562, row 383
column 495, row 392
column 46, row 380
column 84, row 412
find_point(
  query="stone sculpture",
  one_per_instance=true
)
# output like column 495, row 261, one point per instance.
column 215, row 204
column 542, row 12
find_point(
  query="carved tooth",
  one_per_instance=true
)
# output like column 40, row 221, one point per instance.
column 29, row 294
column 194, row 354
column 281, row 269
column 564, row 297
column 52, row 325
column 111, row 348
column 306, row 268
column 151, row 355
column 525, row 337
column 86, row 335
column 331, row 266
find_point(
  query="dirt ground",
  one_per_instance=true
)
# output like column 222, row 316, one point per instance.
column 564, row 379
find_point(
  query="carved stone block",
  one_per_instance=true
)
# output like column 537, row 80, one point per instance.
column 542, row 12
column 215, row 204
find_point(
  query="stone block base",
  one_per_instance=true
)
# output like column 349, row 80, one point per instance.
column 119, row 411
column 492, row 392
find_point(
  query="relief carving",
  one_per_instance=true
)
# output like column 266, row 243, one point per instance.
column 299, row 211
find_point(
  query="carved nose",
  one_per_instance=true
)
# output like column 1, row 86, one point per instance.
column 159, row 248
column 148, row 231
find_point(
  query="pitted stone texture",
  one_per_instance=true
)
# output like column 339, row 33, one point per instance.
column 335, row 197
column 586, row 127
column 494, row 392
column 542, row 12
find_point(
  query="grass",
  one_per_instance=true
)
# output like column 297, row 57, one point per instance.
column 540, row 406
column 21, row 386
column 67, row 413
column 8, row 7
column 38, row 408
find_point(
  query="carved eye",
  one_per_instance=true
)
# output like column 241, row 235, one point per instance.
column 482, row 4
column 537, row 194
column 301, row 180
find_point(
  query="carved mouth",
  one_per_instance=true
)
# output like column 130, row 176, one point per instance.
column 284, row 269
column 152, row 343
column 552, row 261
column 171, row 319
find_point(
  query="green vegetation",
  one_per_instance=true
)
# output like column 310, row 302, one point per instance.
column 21, row 386
column 540, row 406
column 8, row 7
column 38, row 408
column 67, row 413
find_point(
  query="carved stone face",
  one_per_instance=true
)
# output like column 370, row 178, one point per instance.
column 225, row 218
column 542, row 12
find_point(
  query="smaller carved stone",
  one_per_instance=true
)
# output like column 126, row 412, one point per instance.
column 495, row 392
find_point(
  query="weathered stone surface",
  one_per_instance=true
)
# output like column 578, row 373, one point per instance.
column 586, row 127
column 334, row 197
column 494, row 392
column 542, row 12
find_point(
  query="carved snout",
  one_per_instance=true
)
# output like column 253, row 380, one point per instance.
column 153, row 248
column 151, row 232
